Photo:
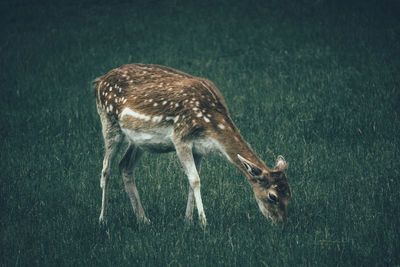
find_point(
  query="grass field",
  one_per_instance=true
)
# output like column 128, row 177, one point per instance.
column 317, row 81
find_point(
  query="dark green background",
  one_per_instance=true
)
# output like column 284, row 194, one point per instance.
column 314, row 80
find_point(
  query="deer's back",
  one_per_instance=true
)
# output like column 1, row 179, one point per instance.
column 144, row 96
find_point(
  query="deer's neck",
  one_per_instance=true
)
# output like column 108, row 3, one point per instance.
column 235, row 144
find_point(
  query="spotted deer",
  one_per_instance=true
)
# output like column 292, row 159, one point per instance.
column 159, row 109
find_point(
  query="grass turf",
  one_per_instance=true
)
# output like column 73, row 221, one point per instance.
column 315, row 81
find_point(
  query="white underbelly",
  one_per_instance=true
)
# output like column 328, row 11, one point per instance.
column 155, row 139
column 159, row 140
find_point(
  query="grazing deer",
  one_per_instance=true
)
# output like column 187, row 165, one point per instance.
column 159, row 109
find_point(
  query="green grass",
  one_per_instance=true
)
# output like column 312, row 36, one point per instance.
column 315, row 81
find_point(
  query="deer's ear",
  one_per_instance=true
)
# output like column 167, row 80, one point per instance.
column 281, row 164
column 251, row 168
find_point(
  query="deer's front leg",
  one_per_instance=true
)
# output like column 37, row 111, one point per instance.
column 185, row 155
column 190, row 201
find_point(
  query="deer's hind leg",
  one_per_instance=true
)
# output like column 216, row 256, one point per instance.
column 127, row 166
column 112, row 141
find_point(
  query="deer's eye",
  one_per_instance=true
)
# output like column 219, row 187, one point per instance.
column 273, row 198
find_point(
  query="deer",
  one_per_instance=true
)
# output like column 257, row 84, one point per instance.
column 158, row 109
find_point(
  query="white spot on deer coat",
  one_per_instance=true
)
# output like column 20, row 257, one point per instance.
column 130, row 112
column 157, row 118
column 221, row 126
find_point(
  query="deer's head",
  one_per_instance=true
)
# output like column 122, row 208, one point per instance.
column 271, row 188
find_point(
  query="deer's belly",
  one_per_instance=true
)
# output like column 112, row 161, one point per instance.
column 154, row 140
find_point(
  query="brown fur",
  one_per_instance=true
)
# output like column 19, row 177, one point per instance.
column 143, row 86
column 198, row 111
